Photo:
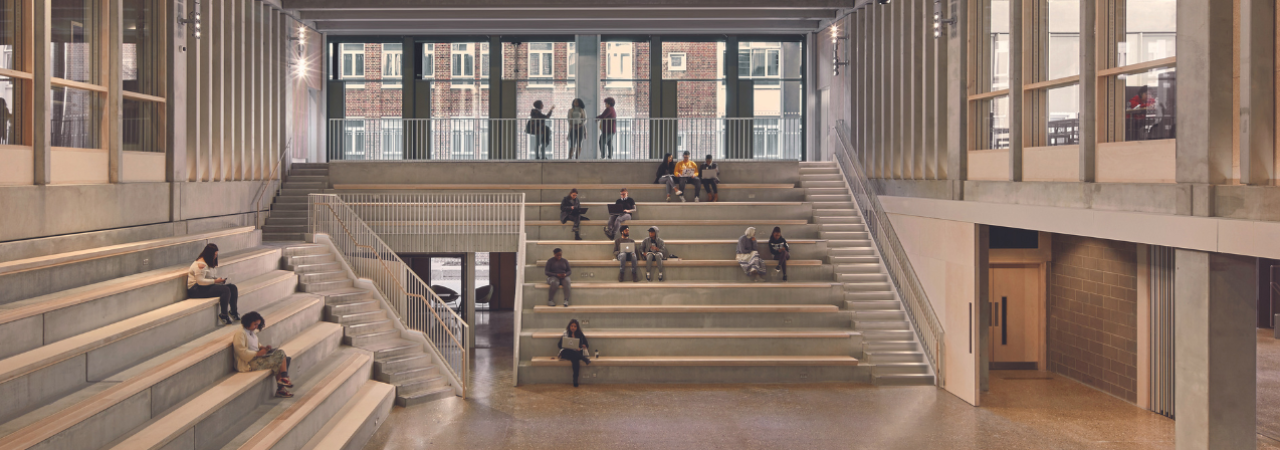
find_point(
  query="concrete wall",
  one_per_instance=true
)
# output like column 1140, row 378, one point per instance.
column 533, row 172
column 1093, row 336
column 944, row 255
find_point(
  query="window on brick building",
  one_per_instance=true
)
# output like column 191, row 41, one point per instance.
column 428, row 61
column 354, row 136
column 391, row 54
column 464, row 61
column 759, row 60
column 541, row 68
column 571, row 61
column 619, row 70
column 484, row 66
column 353, row 63
column 676, row 62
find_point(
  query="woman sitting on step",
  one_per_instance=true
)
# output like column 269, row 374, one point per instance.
column 574, row 355
column 748, row 257
column 781, row 251
column 199, row 285
column 251, row 357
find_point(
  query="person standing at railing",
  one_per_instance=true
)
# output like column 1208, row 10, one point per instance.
column 577, row 127
column 537, row 126
column 710, row 180
column 628, row 205
column 558, row 272
column 608, row 128
column 571, row 209
column 624, row 237
column 667, row 175
column 687, row 172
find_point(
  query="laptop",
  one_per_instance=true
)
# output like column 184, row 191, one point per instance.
column 627, row 247
column 569, row 342
column 710, row 173
column 688, row 172
column 615, row 208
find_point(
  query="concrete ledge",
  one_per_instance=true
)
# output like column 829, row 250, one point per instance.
column 537, row 172
column 687, row 285
column 697, row 361
column 939, row 189
column 686, row 309
column 102, row 252
column 353, row 425
column 66, row 209
column 702, row 334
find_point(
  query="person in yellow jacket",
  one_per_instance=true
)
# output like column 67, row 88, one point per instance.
column 252, row 357
column 687, row 172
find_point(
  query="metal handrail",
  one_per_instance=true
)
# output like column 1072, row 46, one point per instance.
column 452, row 349
column 262, row 189
column 928, row 329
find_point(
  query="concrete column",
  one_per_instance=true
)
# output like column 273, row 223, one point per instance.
column 1088, row 89
column 215, row 32
column 881, row 18
column 1257, row 91
column 111, row 53
column 238, row 62
column 941, row 96
column 1204, row 117
column 1015, row 90
column 495, row 77
column 180, row 136
column 588, row 81
column 469, row 293
column 1215, row 351
column 957, row 104
column 42, row 96
column 896, row 72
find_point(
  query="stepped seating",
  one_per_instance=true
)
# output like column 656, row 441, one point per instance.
column 288, row 219
column 599, row 211
column 700, row 249
column 645, row 192
column 693, row 270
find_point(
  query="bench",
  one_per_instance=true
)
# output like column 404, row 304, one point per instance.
column 703, row 334
column 683, row 263
column 674, row 285
column 290, row 417
column 554, row 187
column 704, row 361
column 374, row 399
column 42, row 262
column 686, row 309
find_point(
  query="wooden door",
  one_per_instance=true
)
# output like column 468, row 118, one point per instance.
column 1016, row 306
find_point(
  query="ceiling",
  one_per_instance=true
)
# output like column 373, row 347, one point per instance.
column 474, row 17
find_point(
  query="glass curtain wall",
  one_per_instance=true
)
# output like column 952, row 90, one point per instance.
column 459, row 77
column 624, row 77
column 1148, row 97
column 541, row 72
column 13, row 113
column 775, row 69
column 991, row 105
column 77, row 112
column 139, row 66
column 374, row 103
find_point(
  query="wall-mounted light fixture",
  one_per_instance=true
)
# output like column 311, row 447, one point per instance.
column 937, row 19
column 193, row 19
column 835, row 50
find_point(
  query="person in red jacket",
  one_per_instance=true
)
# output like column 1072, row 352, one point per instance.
column 608, row 128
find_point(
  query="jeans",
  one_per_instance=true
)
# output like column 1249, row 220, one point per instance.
column 228, row 295
column 540, row 147
column 650, row 258
column 670, row 181
column 697, row 185
column 710, row 184
column 606, row 144
column 782, row 256
column 616, row 222
column 575, row 357
column 556, row 283
column 622, row 262
column 575, row 218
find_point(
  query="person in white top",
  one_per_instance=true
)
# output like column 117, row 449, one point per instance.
column 250, row 356
column 199, row 285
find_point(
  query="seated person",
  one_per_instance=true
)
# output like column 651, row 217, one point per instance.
column 199, row 285
column 628, row 205
column 710, row 184
column 749, row 257
column 252, row 357
column 574, row 355
column 653, row 249
column 624, row 237
column 666, row 175
column 571, row 209
column 781, row 251
column 557, row 272
column 687, row 172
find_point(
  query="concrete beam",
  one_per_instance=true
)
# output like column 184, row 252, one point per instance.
column 1257, row 91
column 564, row 4
column 1204, row 117
column 430, row 14
column 573, row 26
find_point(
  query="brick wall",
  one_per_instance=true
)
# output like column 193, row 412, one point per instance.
column 1093, row 313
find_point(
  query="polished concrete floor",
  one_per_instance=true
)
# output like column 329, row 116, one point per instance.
column 1023, row 410
column 1268, row 387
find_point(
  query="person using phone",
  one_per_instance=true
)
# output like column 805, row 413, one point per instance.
column 199, row 285
column 653, row 250
column 250, row 356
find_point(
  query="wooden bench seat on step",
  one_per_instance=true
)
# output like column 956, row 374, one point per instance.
column 694, row 285
column 529, row 187
column 701, row 334
column 290, row 416
column 686, row 309
column 374, row 399
column 42, row 262
column 704, row 361
column 681, row 263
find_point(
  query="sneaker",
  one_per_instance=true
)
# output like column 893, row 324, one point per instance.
column 635, row 278
column 679, row 192
column 695, row 199
column 682, row 200
column 551, row 303
column 660, row 276
column 777, row 269
column 566, row 303
column 648, row 276
column 620, row 274
column 225, row 320
column 235, row 317
column 784, row 277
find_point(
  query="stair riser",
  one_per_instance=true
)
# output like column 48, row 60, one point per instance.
column 318, row 268
column 881, row 325
column 848, row 247
column 840, row 260
column 821, row 177
column 261, row 298
column 848, row 227
column 829, row 184
column 418, row 361
column 304, row 260
column 325, row 286
column 281, row 221
column 407, row 377
column 305, row 250
column 873, row 305
column 828, row 198
column 672, row 211
column 819, row 171
column 366, row 329
column 846, row 346
column 723, row 252
column 312, row 278
column 907, row 368
column 347, row 298
column 283, row 237
column 353, row 308
column 367, row 339
column 694, row 375
column 890, row 346
column 692, row 320
column 862, row 277
column 596, row 232
column 879, row 358
column 679, row 274
column 865, row 315
column 313, row 422
column 887, row 335
column 844, row 219
column 406, row 402
column 860, row 296
column 685, row 296
column 300, row 192
column 861, row 268
column 301, row 214
column 397, row 353
column 357, row 318
column 866, row 287
column 283, row 229
column 844, row 235
column 641, row 195
column 277, row 206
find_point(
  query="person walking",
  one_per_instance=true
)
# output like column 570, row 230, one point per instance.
column 781, row 251
column 624, row 237
column 666, row 175
column 574, row 355
column 653, row 250
column 628, row 205
column 539, row 129
column 571, row 209
column 577, row 127
column 687, row 172
column 710, row 183
column 557, row 271
column 199, row 285
column 748, row 257
column 608, row 128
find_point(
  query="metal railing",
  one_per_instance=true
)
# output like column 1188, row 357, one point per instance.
column 395, row 139
column 442, row 222
column 413, row 302
column 925, row 321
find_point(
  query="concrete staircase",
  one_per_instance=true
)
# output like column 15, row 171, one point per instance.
column 402, row 363
column 889, row 343
column 288, row 219
column 125, row 360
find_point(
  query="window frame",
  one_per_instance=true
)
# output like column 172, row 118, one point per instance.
column 1110, row 94
column 22, row 76
column 343, row 64
column 397, row 68
column 625, row 63
column 428, row 61
column 684, row 62
column 462, row 76
column 540, row 81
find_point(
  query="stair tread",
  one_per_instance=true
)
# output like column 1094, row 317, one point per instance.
column 289, row 413
column 696, row 333
column 681, row 263
column 353, row 415
column 686, row 309
column 651, row 361
column 57, row 259
column 686, row 284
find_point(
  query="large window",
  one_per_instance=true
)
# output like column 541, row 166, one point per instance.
column 372, row 75
column 464, row 61
column 759, row 59
column 353, row 63
column 78, row 88
column 428, row 61
column 391, row 65
column 14, row 112
column 541, row 68
column 989, row 94
column 1052, row 79
column 619, row 64
column 1141, row 88
column 141, row 66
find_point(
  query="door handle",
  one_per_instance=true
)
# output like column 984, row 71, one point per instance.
column 1004, row 320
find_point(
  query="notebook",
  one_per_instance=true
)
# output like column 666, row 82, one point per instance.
column 569, row 342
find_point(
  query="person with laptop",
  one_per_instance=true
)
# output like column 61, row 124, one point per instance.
column 653, row 249
column 620, row 212
column 624, row 249
column 709, row 174
column 571, row 209
column 781, row 251
column 687, row 172
column 573, row 347
column 557, row 271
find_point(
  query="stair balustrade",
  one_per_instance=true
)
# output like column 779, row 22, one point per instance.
column 898, row 265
